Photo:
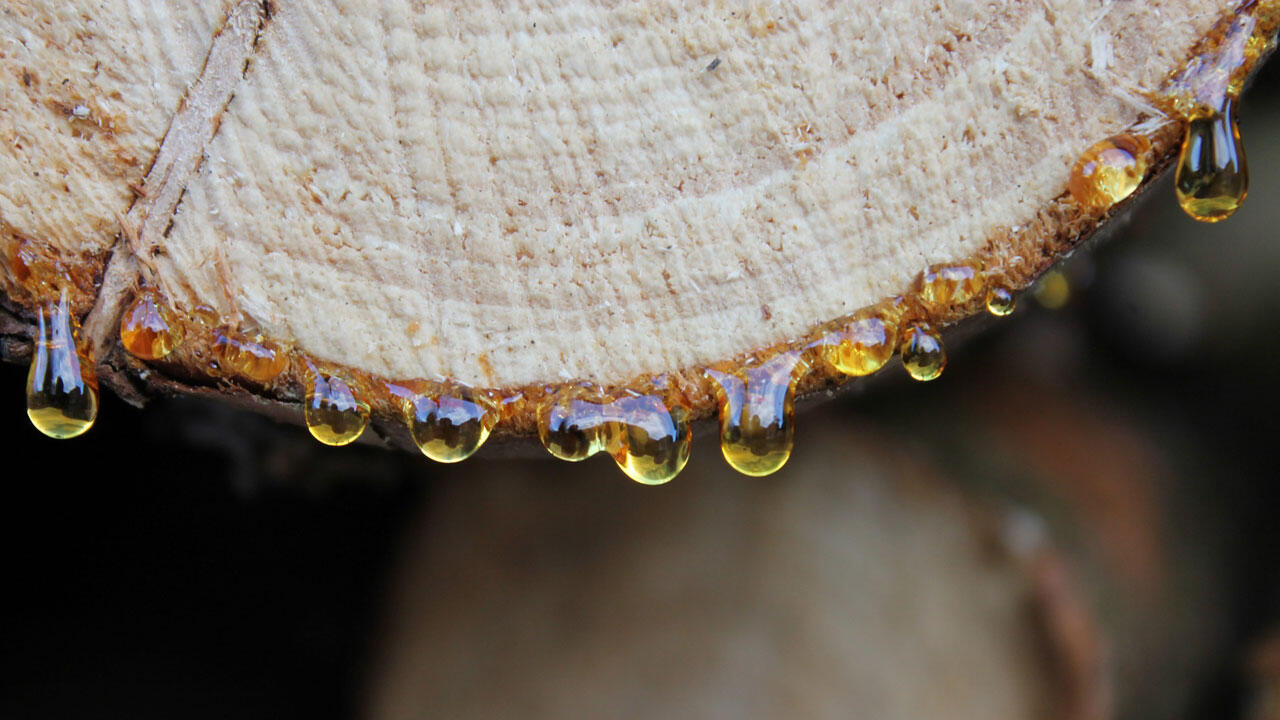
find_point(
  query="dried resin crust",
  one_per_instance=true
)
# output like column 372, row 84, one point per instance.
column 573, row 221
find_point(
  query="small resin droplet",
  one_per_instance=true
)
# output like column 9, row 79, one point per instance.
column 571, row 423
column 148, row 330
column 648, row 440
column 1052, row 291
column 333, row 413
column 450, row 423
column 204, row 316
column 757, row 418
column 62, row 386
column 257, row 359
column 940, row 287
column 1110, row 171
column 923, row 355
column 863, row 345
column 1001, row 301
column 1213, row 177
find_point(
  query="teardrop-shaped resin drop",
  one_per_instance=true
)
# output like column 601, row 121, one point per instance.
column 757, row 416
column 449, row 424
column 923, row 354
column 571, row 423
column 1213, row 177
column 649, row 441
column 334, row 415
column 62, row 385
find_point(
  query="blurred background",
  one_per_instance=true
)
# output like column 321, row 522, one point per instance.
column 1077, row 520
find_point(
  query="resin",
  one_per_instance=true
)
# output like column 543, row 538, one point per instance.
column 62, row 385
column 334, row 415
column 450, row 422
column 1110, row 171
column 1001, row 301
column 1212, row 179
column 649, row 441
column 923, row 354
column 148, row 330
column 757, row 414
column 862, row 345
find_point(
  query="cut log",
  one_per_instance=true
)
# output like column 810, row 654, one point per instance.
column 516, row 196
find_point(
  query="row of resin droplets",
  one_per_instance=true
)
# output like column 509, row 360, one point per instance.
column 648, row 434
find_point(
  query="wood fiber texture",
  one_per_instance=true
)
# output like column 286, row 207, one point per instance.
column 513, row 193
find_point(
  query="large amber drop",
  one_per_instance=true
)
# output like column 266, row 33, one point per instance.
column 62, row 386
column 757, row 414
column 649, row 441
column 1212, row 179
column 449, row 424
column 334, row 415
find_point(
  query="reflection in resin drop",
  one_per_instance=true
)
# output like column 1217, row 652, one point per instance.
column 1001, row 301
column 1212, row 178
column 862, row 346
column 939, row 287
column 757, row 421
column 649, row 442
column 333, row 413
column 257, row 359
column 923, row 355
column 147, row 329
column 451, row 423
column 1110, row 171
column 62, row 386
column 571, row 423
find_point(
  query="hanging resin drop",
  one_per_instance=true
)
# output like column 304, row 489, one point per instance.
column 863, row 345
column 62, row 386
column 1212, row 177
column 571, row 423
column 333, row 414
column 147, row 329
column 649, row 441
column 757, row 417
column 1001, row 301
column 923, row 354
column 255, row 358
column 449, row 424
column 1110, row 171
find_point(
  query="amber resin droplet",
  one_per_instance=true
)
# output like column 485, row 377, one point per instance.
column 649, row 441
column 940, row 287
column 147, row 329
column 757, row 417
column 451, row 422
column 863, row 345
column 923, row 355
column 1001, row 301
column 255, row 358
column 333, row 413
column 1110, row 171
column 62, row 386
column 571, row 423
column 1213, row 177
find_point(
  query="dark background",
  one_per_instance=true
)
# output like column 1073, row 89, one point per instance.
column 188, row 560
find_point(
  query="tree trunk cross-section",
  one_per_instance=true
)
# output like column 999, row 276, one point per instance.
column 514, row 194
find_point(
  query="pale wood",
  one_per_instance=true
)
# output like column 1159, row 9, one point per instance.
column 518, row 193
